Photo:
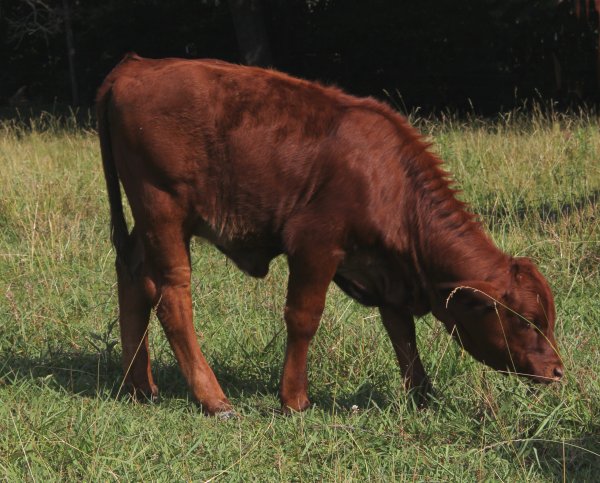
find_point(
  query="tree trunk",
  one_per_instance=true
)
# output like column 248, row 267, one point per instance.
column 70, row 52
column 250, row 32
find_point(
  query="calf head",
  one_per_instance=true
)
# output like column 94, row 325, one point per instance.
column 506, row 323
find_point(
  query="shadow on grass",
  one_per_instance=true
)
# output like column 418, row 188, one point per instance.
column 547, row 211
column 577, row 459
column 88, row 374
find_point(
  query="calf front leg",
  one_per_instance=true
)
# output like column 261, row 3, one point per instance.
column 310, row 275
column 400, row 327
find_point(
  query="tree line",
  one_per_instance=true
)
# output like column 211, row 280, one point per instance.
column 434, row 54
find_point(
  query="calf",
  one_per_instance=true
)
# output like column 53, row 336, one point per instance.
column 262, row 164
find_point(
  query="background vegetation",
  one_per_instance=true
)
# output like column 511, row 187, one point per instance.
column 464, row 54
column 536, row 182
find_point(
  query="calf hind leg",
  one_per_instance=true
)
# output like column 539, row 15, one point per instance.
column 134, row 315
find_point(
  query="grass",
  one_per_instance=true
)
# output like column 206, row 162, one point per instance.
column 534, row 179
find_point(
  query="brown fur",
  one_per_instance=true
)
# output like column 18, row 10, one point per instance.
column 260, row 164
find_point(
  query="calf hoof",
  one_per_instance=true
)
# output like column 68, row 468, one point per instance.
column 226, row 415
column 222, row 409
column 421, row 395
column 295, row 406
column 148, row 393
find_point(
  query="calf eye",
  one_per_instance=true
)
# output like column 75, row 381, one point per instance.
column 526, row 323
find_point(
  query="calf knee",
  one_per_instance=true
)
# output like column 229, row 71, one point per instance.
column 166, row 285
column 302, row 322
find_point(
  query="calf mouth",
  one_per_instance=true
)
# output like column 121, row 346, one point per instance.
column 543, row 373
column 552, row 374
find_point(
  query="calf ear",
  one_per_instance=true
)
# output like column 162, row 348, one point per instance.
column 519, row 266
column 472, row 295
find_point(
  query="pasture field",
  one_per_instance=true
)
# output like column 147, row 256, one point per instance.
column 535, row 181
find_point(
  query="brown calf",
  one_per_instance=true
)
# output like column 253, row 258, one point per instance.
column 260, row 164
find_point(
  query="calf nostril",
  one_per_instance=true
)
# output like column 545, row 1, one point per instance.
column 558, row 372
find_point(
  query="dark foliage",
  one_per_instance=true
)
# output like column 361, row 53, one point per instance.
column 437, row 54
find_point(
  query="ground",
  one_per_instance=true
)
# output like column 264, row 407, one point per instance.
column 535, row 181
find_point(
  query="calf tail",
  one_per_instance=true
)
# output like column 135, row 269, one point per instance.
column 118, row 225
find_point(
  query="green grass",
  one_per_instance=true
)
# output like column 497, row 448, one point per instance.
column 536, row 183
